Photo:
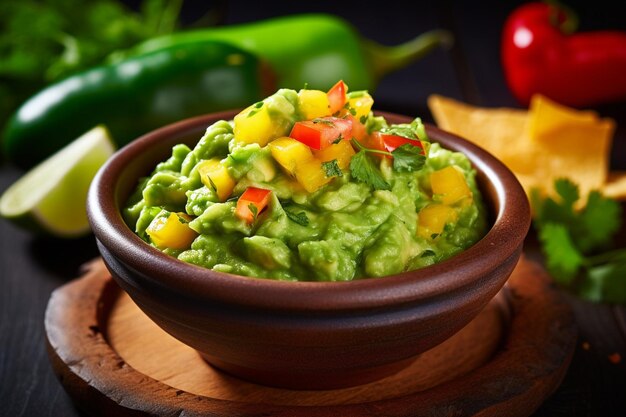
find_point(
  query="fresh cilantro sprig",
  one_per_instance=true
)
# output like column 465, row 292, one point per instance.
column 331, row 169
column 575, row 241
column 406, row 158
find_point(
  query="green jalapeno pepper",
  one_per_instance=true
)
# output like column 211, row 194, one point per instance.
column 135, row 96
column 173, row 77
column 316, row 49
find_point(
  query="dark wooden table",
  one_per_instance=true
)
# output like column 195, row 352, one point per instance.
column 30, row 268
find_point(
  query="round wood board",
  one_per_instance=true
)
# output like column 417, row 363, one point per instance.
column 114, row 361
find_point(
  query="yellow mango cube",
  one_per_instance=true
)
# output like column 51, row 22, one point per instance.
column 432, row 219
column 171, row 231
column 362, row 105
column 313, row 103
column 215, row 176
column 449, row 185
column 311, row 175
column 342, row 152
column 254, row 125
column 289, row 153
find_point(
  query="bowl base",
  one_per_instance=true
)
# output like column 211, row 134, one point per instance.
column 325, row 380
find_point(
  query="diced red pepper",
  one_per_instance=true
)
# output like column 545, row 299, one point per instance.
column 392, row 142
column 257, row 197
column 337, row 96
column 322, row 132
column 359, row 131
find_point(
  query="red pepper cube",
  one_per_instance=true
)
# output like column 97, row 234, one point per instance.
column 390, row 143
column 322, row 132
column 337, row 96
column 256, row 197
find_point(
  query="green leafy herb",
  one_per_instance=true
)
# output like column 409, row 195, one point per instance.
column 352, row 111
column 300, row 218
column 331, row 169
column 363, row 119
column 324, row 122
column 256, row 109
column 363, row 169
column 254, row 210
column 573, row 240
column 339, row 139
column 408, row 158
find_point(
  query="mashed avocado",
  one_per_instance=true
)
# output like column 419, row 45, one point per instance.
column 309, row 186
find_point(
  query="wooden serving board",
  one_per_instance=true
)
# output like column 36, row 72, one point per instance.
column 114, row 361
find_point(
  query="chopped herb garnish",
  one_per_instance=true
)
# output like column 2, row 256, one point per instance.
column 408, row 158
column 363, row 119
column 363, row 169
column 352, row 111
column 300, row 218
column 331, row 168
column 182, row 220
column 324, row 122
column 339, row 139
column 256, row 109
column 254, row 210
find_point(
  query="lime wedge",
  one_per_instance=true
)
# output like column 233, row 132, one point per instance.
column 50, row 198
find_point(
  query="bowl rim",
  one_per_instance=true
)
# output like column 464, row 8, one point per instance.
column 511, row 221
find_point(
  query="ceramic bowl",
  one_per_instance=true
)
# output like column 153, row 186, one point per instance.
column 305, row 335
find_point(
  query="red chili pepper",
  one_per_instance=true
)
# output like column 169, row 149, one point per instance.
column 539, row 56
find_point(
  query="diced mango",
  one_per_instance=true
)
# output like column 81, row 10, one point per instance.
column 313, row 103
column 254, row 125
column 432, row 219
column 449, row 185
column 289, row 153
column 311, row 175
column 171, row 231
column 215, row 176
column 362, row 105
column 341, row 151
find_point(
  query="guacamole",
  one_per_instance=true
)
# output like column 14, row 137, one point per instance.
column 310, row 186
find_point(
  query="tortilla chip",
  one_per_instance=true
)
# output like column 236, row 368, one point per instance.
column 543, row 144
column 615, row 186
column 568, row 143
column 498, row 130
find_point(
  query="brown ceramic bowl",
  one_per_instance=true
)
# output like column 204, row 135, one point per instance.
column 305, row 335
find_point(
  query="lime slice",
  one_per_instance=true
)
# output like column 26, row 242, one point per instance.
column 50, row 198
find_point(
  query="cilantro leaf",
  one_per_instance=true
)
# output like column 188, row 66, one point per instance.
column 562, row 258
column 300, row 218
column 605, row 283
column 331, row 169
column 598, row 222
column 364, row 170
column 570, row 236
column 408, row 158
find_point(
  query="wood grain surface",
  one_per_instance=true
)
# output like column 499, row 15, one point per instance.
column 114, row 361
